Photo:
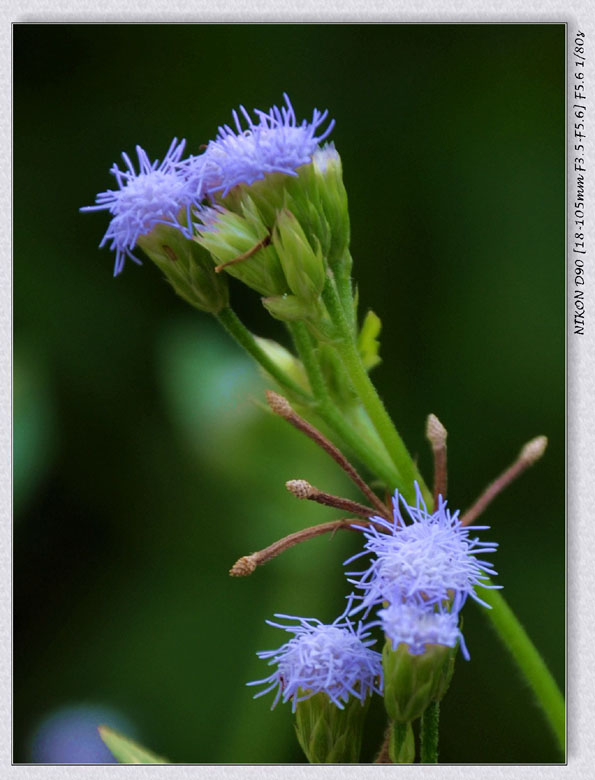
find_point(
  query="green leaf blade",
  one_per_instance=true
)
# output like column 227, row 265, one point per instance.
column 127, row 751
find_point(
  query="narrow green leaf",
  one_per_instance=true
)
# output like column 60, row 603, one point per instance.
column 126, row 751
column 368, row 344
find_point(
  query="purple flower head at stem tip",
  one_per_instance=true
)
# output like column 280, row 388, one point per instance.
column 334, row 659
column 429, row 558
column 156, row 194
column 270, row 142
column 416, row 625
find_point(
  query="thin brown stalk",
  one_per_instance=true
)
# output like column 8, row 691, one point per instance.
column 245, row 256
column 436, row 435
column 383, row 756
column 248, row 563
column 282, row 407
column 303, row 489
column 530, row 454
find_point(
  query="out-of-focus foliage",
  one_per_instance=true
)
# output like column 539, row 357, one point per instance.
column 126, row 750
column 145, row 464
column 35, row 435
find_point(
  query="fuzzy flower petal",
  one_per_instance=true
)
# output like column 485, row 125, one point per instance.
column 430, row 557
column 270, row 142
column 334, row 659
column 416, row 625
column 156, row 194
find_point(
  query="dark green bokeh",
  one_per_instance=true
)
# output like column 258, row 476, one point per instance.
column 141, row 470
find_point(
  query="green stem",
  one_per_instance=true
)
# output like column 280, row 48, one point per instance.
column 305, row 349
column 529, row 661
column 238, row 331
column 324, row 407
column 507, row 625
column 346, row 347
column 429, row 734
column 401, row 747
column 345, row 291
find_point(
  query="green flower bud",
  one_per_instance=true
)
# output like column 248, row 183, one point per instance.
column 187, row 267
column 446, row 676
column 411, row 682
column 267, row 195
column 282, row 234
column 303, row 266
column 287, row 362
column 287, row 308
column 317, row 198
column 229, row 236
column 401, row 745
column 327, row 734
column 328, row 172
column 290, row 308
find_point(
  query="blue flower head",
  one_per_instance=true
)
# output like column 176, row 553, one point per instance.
column 334, row 659
column 417, row 625
column 271, row 142
column 431, row 558
column 156, row 194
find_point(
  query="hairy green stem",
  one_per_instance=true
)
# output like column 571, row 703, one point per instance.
column 507, row 625
column 529, row 661
column 378, row 465
column 305, row 349
column 345, row 291
column 346, row 347
column 238, row 331
column 429, row 734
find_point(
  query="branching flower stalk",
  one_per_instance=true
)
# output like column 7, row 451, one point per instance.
column 248, row 563
column 279, row 405
column 265, row 202
column 523, row 650
column 345, row 346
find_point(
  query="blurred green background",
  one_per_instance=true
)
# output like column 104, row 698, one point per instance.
column 144, row 464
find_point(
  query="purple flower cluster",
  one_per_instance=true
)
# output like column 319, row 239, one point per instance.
column 421, row 574
column 167, row 192
column 334, row 659
column 273, row 143
column 410, row 623
column 158, row 193
column 422, row 571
